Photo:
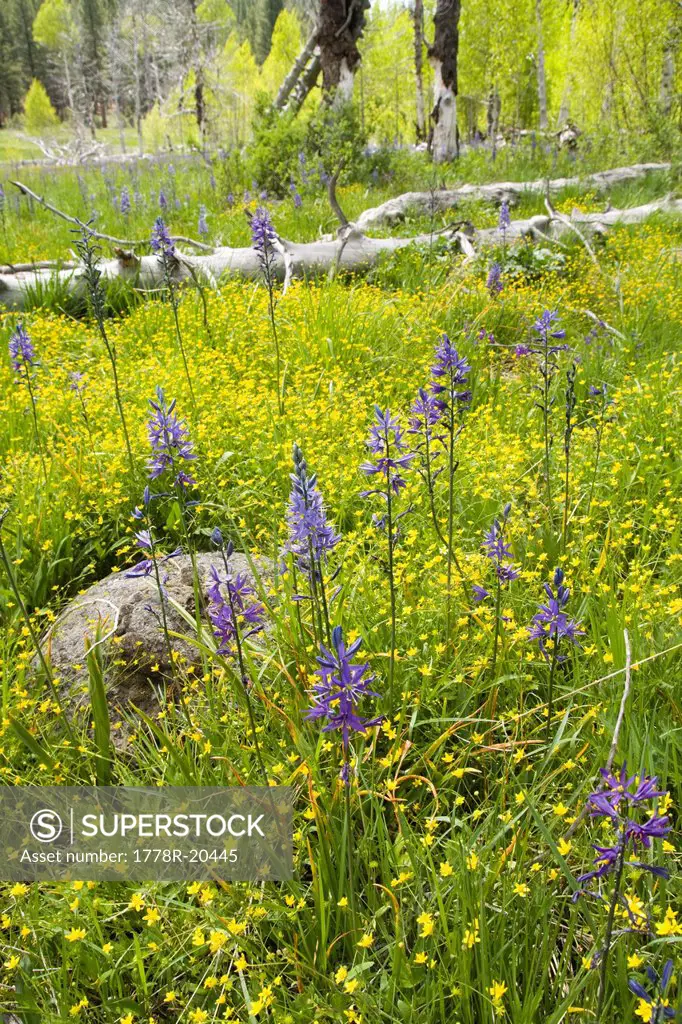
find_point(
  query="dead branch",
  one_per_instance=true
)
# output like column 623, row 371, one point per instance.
column 333, row 200
column 131, row 243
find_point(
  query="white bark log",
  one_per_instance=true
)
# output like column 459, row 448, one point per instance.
column 355, row 252
column 352, row 252
column 426, row 203
column 444, row 140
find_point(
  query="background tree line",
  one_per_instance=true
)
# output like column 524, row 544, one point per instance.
column 189, row 72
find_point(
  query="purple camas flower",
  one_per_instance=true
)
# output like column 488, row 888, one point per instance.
column 494, row 280
column 450, row 375
column 161, row 241
column 163, row 202
column 145, row 541
column 386, row 442
column 203, row 226
column 425, row 413
column 545, row 327
column 263, row 237
column 124, row 202
column 521, row 350
column 77, row 382
column 654, row 1008
column 21, row 351
column 632, row 792
column 499, row 552
column 234, row 606
column 169, row 439
column 337, row 695
column 551, row 622
column 309, row 531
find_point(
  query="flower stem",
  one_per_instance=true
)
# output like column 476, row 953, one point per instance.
column 34, row 411
column 178, row 332
column 275, row 336
column 498, row 602
column 391, row 574
column 550, row 696
column 609, row 930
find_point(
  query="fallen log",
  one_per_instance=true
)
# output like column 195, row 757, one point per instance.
column 436, row 201
column 350, row 251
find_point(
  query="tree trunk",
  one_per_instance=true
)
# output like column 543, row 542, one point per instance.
column 340, row 26
column 493, row 118
column 542, row 81
column 294, row 76
column 670, row 47
column 418, row 19
column 443, row 57
column 565, row 108
column 138, row 88
column 305, row 84
column 67, row 82
column 425, row 204
column 196, row 63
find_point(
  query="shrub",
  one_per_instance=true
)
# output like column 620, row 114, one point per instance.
column 39, row 113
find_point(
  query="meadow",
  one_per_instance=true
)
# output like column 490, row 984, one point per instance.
column 440, row 852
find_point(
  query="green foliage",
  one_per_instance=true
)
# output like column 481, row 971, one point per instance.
column 277, row 141
column 287, row 41
column 54, row 26
column 39, row 114
column 336, row 136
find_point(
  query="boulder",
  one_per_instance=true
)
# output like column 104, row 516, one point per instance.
column 136, row 653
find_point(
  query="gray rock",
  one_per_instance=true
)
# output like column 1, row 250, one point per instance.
column 136, row 654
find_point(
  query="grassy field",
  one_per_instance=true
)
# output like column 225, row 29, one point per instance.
column 442, row 883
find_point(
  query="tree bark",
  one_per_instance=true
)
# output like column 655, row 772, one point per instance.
column 294, row 76
column 352, row 251
column 340, row 26
column 418, row 20
column 565, row 108
column 542, row 81
column 443, row 57
column 138, row 87
column 305, row 84
column 670, row 48
column 493, row 118
column 427, row 203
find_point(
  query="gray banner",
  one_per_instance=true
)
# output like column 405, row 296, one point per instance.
column 113, row 834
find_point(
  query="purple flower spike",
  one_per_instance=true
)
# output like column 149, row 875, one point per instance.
column 21, row 350
column 545, row 327
column 233, row 608
column 169, row 439
column 494, row 280
column 551, row 622
column 336, row 697
column 161, row 241
column 309, row 531
column 604, row 803
column 425, row 413
column 386, row 442
column 498, row 550
column 263, row 237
